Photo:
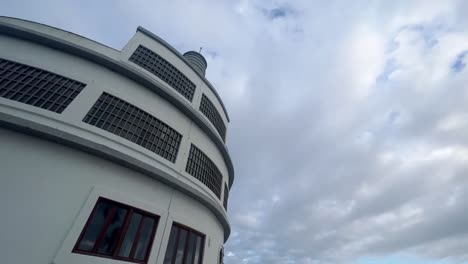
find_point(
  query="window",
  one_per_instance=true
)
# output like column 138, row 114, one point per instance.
column 118, row 231
column 130, row 122
column 209, row 110
column 203, row 169
column 185, row 246
column 36, row 87
column 226, row 196
column 221, row 256
column 161, row 68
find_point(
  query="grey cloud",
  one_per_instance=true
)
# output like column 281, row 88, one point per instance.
column 326, row 171
column 277, row 12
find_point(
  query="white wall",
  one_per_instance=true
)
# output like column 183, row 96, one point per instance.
column 99, row 80
column 47, row 192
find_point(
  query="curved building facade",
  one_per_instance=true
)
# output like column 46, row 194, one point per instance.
column 109, row 156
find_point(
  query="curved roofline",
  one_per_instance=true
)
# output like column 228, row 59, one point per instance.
column 60, row 29
column 123, row 69
column 76, row 142
column 168, row 46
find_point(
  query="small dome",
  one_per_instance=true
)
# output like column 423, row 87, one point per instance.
column 197, row 61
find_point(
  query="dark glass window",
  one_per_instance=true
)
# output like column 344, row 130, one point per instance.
column 203, row 169
column 185, row 246
column 36, row 87
column 130, row 122
column 157, row 65
column 118, row 231
column 226, row 196
column 209, row 110
column 221, row 256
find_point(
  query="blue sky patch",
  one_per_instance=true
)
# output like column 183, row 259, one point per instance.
column 389, row 68
column 459, row 63
column 276, row 13
column 399, row 259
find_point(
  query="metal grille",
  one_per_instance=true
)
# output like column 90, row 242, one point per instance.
column 209, row 110
column 36, row 87
column 226, row 196
column 204, row 170
column 130, row 122
column 160, row 67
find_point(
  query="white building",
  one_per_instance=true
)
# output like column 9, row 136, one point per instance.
column 108, row 156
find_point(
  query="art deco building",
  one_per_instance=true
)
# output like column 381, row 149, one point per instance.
column 108, row 156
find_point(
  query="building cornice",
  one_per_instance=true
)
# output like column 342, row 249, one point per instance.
column 125, row 70
column 62, row 137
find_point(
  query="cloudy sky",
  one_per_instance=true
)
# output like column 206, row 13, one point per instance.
column 349, row 121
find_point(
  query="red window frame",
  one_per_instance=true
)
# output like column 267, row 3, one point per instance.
column 189, row 231
column 121, row 235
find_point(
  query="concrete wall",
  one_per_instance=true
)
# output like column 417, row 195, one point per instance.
column 124, row 55
column 167, row 54
column 99, row 80
column 47, row 192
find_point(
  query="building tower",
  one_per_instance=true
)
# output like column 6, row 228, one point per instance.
column 109, row 156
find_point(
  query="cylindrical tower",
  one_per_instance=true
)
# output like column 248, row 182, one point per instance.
column 197, row 61
column 109, row 155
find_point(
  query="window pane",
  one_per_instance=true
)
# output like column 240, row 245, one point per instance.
column 111, row 236
column 95, row 226
column 190, row 248
column 117, row 231
column 221, row 256
column 144, row 240
column 130, row 236
column 129, row 125
column 171, row 245
column 21, row 82
column 198, row 250
column 181, row 246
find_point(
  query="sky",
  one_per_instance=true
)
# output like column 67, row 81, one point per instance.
column 349, row 121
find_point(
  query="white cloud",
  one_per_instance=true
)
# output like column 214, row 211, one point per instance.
column 348, row 133
column 364, row 59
